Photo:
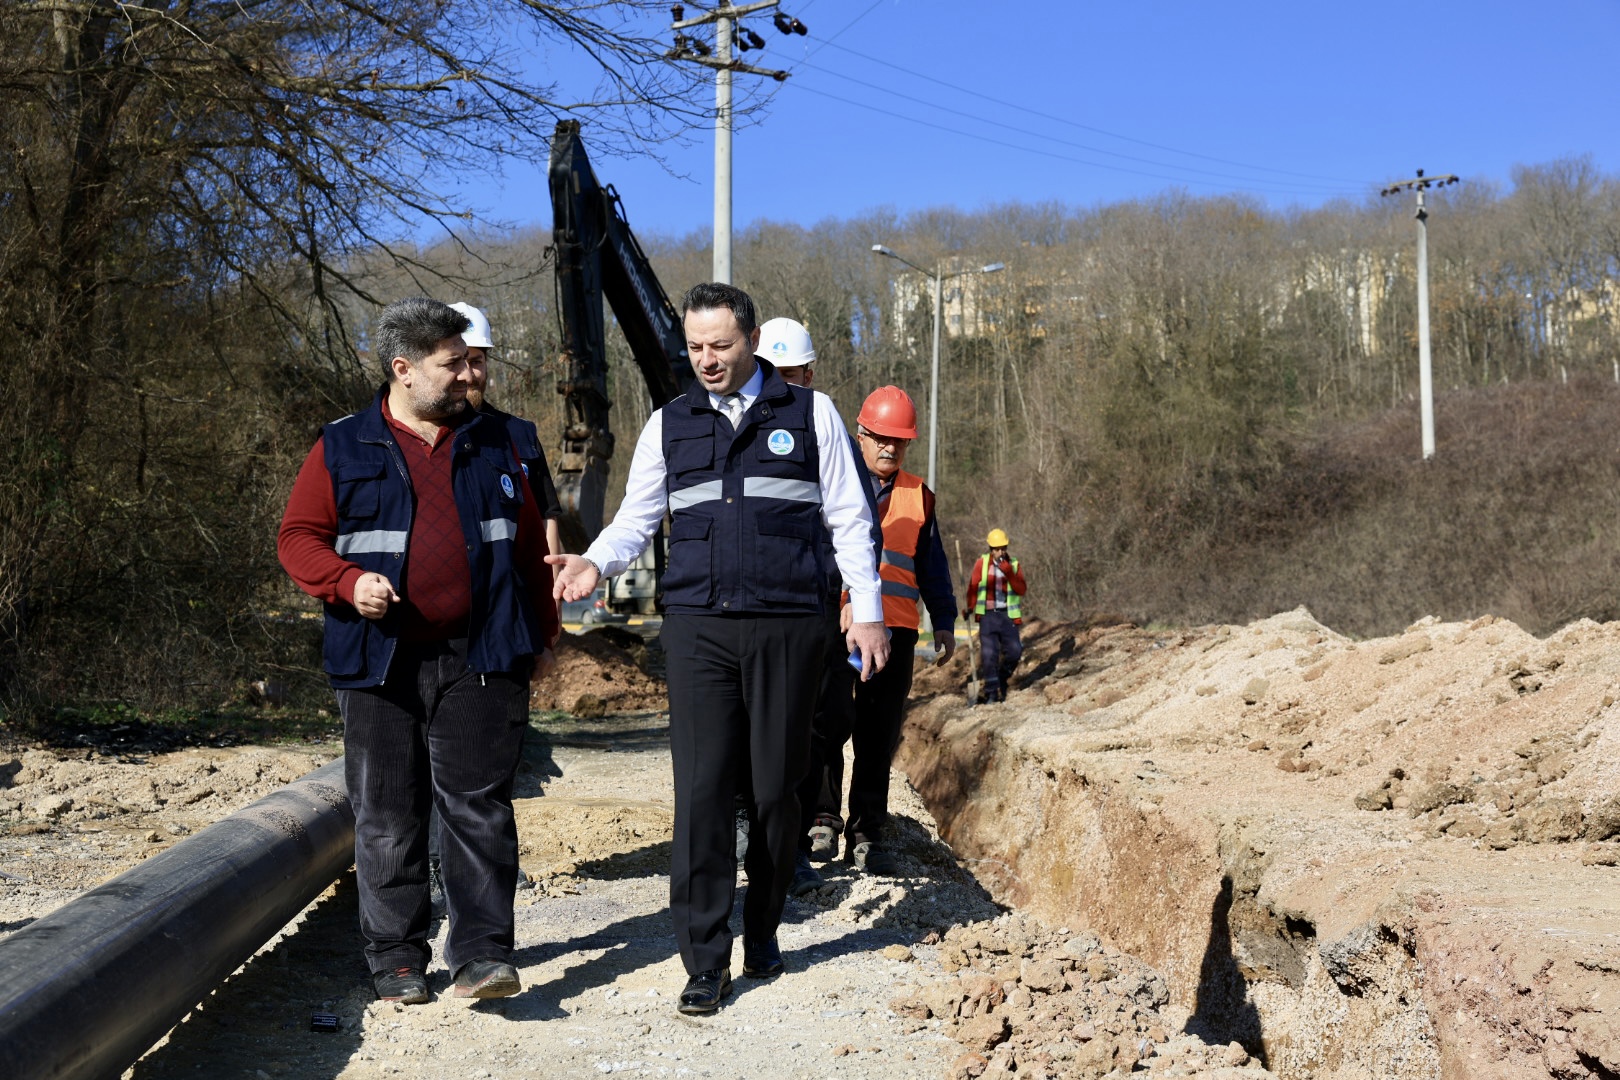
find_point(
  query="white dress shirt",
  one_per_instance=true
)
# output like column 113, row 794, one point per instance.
column 843, row 504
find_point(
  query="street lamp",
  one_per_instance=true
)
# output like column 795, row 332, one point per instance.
column 938, row 277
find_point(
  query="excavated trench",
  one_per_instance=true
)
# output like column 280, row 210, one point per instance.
column 1253, row 811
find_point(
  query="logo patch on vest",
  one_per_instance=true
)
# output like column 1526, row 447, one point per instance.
column 507, row 486
column 780, row 442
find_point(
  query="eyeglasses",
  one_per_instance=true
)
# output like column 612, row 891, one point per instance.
column 891, row 441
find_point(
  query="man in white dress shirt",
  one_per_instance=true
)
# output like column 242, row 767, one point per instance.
column 745, row 464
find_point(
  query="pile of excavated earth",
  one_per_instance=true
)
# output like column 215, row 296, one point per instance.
column 1228, row 851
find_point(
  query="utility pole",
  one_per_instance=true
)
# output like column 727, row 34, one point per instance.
column 1420, row 184
column 728, row 32
column 938, row 276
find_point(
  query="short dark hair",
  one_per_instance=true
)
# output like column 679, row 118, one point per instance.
column 413, row 328
column 717, row 294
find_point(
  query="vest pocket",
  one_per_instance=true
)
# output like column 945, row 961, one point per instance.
column 689, row 577
column 690, row 455
column 787, row 552
column 359, row 489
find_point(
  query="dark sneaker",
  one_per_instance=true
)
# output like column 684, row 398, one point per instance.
column 436, row 889
column 486, row 978
column 870, row 858
column 406, row 985
column 823, row 841
column 805, row 878
column 762, row 959
column 704, row 990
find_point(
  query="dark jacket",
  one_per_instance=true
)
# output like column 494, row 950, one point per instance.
column 374, row 507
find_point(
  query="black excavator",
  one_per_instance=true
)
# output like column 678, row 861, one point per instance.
column 597, row 257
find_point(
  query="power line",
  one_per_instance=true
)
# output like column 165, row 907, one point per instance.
column 1060, row 157
column 847, row 27
column 1324, row 189
column 1088, row 127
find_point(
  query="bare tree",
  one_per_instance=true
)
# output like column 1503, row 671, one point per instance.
column 187, row 188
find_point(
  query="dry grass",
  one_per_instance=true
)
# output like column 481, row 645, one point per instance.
column 1518, row 515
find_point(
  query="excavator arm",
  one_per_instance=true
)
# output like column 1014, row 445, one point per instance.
column 597, row 259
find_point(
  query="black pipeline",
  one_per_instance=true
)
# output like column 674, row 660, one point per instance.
column 89, row 987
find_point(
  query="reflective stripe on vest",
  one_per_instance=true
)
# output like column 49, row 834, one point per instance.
column 770, row 487
column 697, row 493
column 369, row 541
column 902, row 525
column 754, row 487
column 492, row 529
column 1014, row 608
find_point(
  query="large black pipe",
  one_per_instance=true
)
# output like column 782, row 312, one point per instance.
column 87, row 989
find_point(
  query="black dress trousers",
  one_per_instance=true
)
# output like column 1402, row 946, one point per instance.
column 742, row 689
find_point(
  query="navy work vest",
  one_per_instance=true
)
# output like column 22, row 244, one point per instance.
column 745, row 507
column 374, row 507
column 525, row 438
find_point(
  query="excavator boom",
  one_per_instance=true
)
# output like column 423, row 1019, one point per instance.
column 597, row 259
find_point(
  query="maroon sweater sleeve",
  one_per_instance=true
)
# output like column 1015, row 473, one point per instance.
column 1015, row 578
column 309, row 531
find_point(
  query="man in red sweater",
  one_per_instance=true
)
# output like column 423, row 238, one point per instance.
column 414, row 524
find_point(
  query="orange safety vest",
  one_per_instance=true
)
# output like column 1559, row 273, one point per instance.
column 902, row 524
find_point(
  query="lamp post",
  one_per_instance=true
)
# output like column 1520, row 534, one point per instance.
column 938, row 277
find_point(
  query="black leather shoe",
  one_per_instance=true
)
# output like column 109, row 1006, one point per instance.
column 704, row 991
column 405, row 985
column 486, row 977
column 762, row 959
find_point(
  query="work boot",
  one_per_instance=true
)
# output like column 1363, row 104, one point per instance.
column 824, row 839
column 871, row 858
column 406, row 985
column 805, row 878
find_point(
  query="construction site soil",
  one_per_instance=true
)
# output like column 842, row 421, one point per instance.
column 1229, row 851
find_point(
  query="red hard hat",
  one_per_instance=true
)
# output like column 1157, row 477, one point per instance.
column 888, row 411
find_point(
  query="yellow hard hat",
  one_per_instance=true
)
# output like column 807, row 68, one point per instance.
column 996, row 539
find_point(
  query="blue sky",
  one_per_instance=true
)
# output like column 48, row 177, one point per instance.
column 914, row 104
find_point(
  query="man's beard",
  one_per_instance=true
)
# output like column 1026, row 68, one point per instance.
column 445, row 404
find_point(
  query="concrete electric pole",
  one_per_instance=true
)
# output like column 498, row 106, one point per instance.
column 938, row 276
column 1420, row 184
column 728, row 33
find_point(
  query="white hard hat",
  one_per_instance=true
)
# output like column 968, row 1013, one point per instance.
column 785, row 343
column 476, row 335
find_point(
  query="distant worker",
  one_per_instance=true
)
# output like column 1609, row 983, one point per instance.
column 413, row 522
column 753, row 472
column 997, row 585
column 913, row 568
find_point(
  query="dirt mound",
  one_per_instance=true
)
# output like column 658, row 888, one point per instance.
column 603, row 671
column 1389, row 855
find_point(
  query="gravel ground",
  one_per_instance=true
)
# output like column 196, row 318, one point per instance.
column 918, row 975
